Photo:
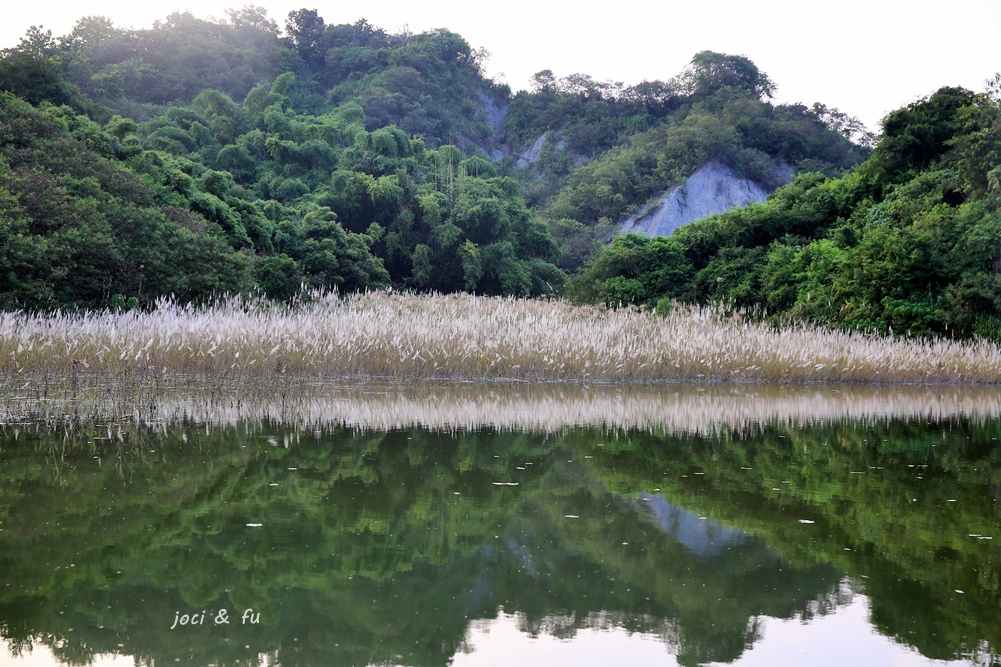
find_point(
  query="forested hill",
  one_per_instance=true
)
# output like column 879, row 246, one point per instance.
column 907, row 243
column 429, row 85
column 345, row 156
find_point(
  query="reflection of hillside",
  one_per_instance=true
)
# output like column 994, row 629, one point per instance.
column 907, row 508
column 370, row 546
column 647, row 581
column 700, row 535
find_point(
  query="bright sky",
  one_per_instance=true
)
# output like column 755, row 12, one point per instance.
column 865, row 57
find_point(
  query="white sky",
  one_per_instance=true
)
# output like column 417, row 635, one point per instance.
column 865, row 57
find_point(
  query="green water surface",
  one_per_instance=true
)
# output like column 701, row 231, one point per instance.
column 859, row 541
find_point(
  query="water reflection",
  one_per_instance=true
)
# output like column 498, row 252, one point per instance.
column 674, row 409
column 699, row 534
column 356, row 546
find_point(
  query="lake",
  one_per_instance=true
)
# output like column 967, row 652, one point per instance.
column 490, row 525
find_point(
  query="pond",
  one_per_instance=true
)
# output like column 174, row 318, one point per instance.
column 471, row 525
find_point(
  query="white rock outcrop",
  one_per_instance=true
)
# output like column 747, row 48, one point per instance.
column 494, row 115
column 713, row 189
column 532, row 154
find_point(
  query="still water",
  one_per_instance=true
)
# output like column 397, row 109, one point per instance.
column 494, row 526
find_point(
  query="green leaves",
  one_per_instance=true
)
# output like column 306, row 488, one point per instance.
column 634, row 270
column 709, row 72
column 909, row 243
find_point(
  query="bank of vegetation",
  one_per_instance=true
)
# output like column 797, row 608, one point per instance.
column 906, row 243
column 197, row 159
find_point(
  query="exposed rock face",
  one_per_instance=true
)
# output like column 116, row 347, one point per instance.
column 553, row 141
column 495, row 113
column 495, row 118
column 714, row 188
column 532, row 154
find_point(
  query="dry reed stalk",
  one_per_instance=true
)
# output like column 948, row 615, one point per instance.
column 387, row 335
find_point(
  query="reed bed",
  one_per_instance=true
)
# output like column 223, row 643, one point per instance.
column 402, row 337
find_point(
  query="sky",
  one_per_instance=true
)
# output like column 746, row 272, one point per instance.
column 864, row 57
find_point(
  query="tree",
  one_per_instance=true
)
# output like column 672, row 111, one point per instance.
column 710, row 71
column 305, row 29
column 90, row 31
column 35, row 77
column 37, row 42
column 917, row 135
column 252, row 16
column 544, row 81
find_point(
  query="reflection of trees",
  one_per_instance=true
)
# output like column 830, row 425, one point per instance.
column 380, row 545
column 898, row 505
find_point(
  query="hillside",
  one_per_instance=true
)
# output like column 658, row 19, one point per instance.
column 907, row 243
column 345, row 156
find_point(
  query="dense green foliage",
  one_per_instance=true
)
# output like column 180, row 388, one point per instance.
column 607, row 149
column 196, row 157
column 429, row 84
column 343, row 156
column 909, row 242
column 271, row 198
column 76, row 226
column 656, row 134
column 220, row 197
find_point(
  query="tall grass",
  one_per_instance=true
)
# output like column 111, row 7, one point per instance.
column 238, row 343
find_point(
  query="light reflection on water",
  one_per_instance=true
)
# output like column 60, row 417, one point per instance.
column 842, row 638
column 42, row 656
column 745, row 525
column 502, row 641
